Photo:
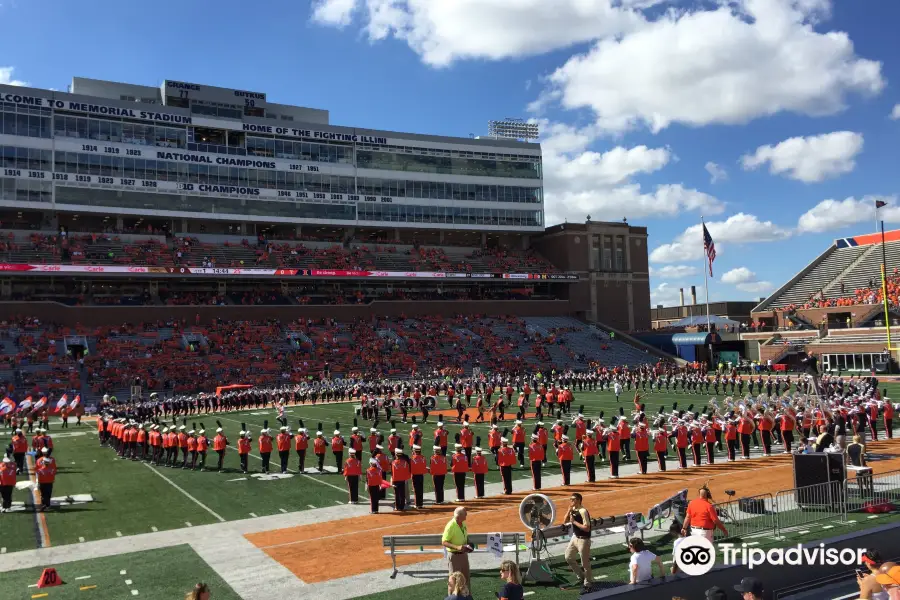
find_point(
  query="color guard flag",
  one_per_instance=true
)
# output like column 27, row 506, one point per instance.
column 26, row 404
column 61, row 403
column 709, row 247
column 75, row 402
column 40, row 404
column 7, row 406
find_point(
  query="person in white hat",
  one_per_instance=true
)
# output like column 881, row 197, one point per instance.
column 337, row 448
column 352, row 472
column 565, row 453
column 438, row 470
column 283, row 444
column 265, row 447
column 400, row 475
column 301, row 444
column 459, row 465
column 7, row 483
column 506, row 458
column 494, row 442
column 319, row 446
column 418, row 467
column 441, row 435
column 46, row 476
column 373, row 482
column 220, row 443
column 536, row 457
column 479, row 469
column 243, row 447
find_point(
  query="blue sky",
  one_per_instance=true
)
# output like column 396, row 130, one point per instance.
column 771, row 118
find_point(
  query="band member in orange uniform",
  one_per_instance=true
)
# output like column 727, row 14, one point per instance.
column 589, row 453
column 565, row 454
column 319, row 446
column 283, row 444
column 731, row 432
column 352, row 472
column 399, row 477
column 480, row 469
column 265, row 447
column 506, row 458
column 642, row 446
column 459, row 464
column 373, row 482
column 418, row 466
column 243, row 448
column 661, row 446
column 766, row 422
column 301, row 445
column 613, row 445
column 220, row 443
column 536, row 456
column 438, row 469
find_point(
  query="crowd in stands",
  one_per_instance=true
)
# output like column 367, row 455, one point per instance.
column 188, row 251
column 871, row 294
column 185, row 357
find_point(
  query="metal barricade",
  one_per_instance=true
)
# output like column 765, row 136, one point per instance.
column 866, row 489
column 746, row 516
column 810, row 504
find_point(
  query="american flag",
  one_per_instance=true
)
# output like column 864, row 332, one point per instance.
column 709, row 246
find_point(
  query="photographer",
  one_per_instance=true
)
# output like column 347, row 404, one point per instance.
column 580, row 545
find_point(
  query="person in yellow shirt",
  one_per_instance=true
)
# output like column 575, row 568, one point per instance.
column 456, row 540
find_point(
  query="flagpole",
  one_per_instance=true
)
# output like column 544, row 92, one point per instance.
column 706, row 286
column 884, row 297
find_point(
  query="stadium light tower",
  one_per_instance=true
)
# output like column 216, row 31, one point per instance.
column 513, row 129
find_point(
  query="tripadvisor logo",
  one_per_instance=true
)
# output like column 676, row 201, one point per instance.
column 696, row 555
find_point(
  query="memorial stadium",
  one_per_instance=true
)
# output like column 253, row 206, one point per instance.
column 244, row 346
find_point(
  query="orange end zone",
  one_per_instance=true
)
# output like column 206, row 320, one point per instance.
column 308, row 550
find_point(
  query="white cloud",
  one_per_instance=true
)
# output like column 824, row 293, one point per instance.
column 579, row 182
column 337, row 13
column 742, row 60
column 674, row 272
column 745, row 280
column 739, row 275
column 444, row 32
column 6, row 77
column 716, row 172
column 835, row 214
column 740, row 228
column 809, row 159
column 895, row 114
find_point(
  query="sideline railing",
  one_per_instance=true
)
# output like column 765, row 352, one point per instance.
column 796, row 508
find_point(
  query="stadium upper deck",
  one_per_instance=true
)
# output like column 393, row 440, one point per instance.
column 847, row 273
column 185, row 151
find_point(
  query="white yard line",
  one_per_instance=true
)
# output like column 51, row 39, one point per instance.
column 180, row 489
column 82, row 577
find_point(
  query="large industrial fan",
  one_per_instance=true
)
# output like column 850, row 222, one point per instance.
column 537, row 512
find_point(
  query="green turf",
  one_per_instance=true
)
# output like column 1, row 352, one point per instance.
column 169, row 573
column 610, row 563
column 131, row 498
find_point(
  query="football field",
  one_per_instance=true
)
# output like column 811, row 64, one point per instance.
column 129, row 497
